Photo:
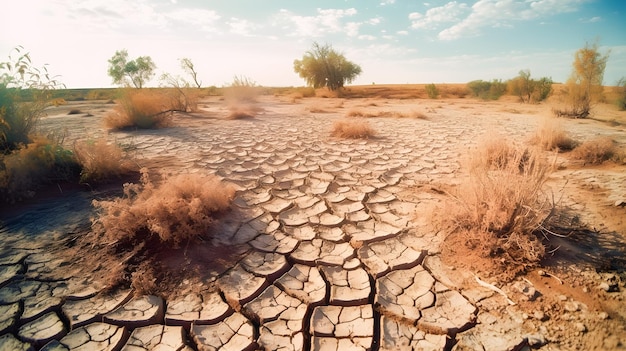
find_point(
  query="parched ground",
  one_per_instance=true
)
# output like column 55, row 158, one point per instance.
column 332, row 244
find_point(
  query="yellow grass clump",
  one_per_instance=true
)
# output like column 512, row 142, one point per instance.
column 140, row 108
column 101, row 161
column 179, row 209
column 384, row 113
column 595, row 151
column 502, row 205
column 354, row 129
column 551, row 136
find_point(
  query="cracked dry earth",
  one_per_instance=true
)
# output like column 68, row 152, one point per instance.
column 337, row 249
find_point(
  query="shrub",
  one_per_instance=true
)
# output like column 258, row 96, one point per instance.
column 139, row 108
column 100, row 161
column 24, row 94
column 432, row 91
column 487, row 90
column 501, row 206
column 621, row 88
column 595, row 151
column 180, row 209
column 530, row 90
column 551, row 136
column 584, row 87
column 354, row 129
column 27, row 168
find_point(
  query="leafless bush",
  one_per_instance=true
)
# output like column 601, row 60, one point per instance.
column 140, row 108
column 354, row 129
column 101, row 161
column 180, row 209
column 551, row 136
column 502, row 205
column 595, row 151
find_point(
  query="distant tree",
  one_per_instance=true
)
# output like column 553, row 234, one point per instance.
column 584, row 87
column 487, row 90
column 322, row 66
column 189, row 68
column 530, row 90
column 432, row 91
column 136, row 72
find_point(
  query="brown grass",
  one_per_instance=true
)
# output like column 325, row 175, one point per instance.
column 140, row 108
column 551, row 136
column 101, row 161
column 178, row 210
column 595, row 151
column 27, row 169
column 353, row 129
column 502, row 205
column 384, row 113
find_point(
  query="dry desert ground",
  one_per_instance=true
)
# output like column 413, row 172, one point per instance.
column 331, row 243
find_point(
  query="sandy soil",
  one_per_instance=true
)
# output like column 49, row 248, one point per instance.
column 573, row 273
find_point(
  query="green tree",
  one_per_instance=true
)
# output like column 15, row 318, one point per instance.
column 530, row 90
column 126, row 72
column 322, row 66
column 584, row 86
column 189, row 68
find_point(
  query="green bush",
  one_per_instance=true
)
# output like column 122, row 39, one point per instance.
column 432, row 91
column 487, row 90
column 530, row 90
column 24, row 94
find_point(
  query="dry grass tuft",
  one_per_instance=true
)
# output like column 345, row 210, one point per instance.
column 140, row 108
column 383, row 113
column 353, row 129
column 551, row 136
column 178, row 210
column 101, row 161
column 595, row 151
column 502, row 205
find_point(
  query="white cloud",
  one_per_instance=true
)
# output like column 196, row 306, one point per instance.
column 242, row 26
column 594, row 19
column 402, row 32
column 324, row 22
column 367, row 37
column 387, row 2
column 434, row 17
column 500, row 13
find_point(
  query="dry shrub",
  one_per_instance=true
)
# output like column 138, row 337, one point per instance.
column 595, row 151
column 178, row 210
column 502, row 205
column 101, row 161
column 182, row 99
column 140, row 108
column 354, row 129
column 551, row 136
column 26, row 169
column 395, row 114
column 314, row 109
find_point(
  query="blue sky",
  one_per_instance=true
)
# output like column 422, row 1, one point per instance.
column 394, row 41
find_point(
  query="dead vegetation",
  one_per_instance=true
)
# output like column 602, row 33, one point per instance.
column 500, row 209
column 384, row 113
column 178, row 210
column 551, row 136
column 352, row 129
column 101, row 161
column 140, row 108
column 596, row 151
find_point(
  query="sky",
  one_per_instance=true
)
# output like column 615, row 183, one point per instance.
column 394, row 41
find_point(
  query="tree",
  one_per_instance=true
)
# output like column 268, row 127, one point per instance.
column 584, row 87
column 322, row 66
column 530, row 90
column 189, row 68
column 125, row 72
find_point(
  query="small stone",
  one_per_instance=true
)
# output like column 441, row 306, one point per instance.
column 620, row 203
column 539, row 315
column 580, row 327
column 604, row 286
column 536, row 340
column 562, row 298
column 603, row 315
column 571, row 306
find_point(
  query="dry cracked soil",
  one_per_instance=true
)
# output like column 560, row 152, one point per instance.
column 331, row 244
